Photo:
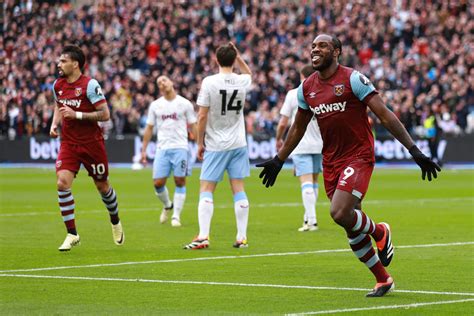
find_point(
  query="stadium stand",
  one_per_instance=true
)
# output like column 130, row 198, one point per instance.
column 419, row 53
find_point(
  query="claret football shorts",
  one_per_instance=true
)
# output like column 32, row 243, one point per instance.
column 352, row 177
column 92, row 155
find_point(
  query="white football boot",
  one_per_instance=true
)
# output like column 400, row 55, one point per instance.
column 70, row 241
column 165, row 214
column 308, row 227
column 175, row 222
column 118, row 234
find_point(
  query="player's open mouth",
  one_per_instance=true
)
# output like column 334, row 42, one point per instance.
column 315, row 59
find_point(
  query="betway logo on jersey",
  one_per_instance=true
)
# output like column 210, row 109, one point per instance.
column 173, row 116
column 326, row 108
column 72, row 103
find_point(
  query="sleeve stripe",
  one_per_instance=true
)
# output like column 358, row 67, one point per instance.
column 54, row 92
column 301, row 101
column 100, row 102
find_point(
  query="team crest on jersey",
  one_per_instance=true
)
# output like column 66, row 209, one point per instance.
column 338, row 89
column 59, row 163
column 78, row 91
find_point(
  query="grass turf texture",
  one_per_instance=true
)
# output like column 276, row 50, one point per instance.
column 419, row 213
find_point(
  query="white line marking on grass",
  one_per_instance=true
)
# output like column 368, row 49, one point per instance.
column 406, row 306
column 177, row 260
column 280, row 286
column 225, row 257
column 257, row 205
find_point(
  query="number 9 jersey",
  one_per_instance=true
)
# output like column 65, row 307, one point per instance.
column 340, row 106
column 224, row 94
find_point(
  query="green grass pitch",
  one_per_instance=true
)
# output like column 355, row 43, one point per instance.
column 282, row 272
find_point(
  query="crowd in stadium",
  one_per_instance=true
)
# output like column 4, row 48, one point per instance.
column 419, row 55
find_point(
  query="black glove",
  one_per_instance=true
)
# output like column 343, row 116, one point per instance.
column 428, row 166
column 270, row 171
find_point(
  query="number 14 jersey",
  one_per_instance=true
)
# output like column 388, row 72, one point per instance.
column 224, row 94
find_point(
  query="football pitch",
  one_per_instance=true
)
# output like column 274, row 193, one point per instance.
column 282, row 272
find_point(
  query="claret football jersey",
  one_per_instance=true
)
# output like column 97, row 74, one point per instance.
column 339, row 104
column 82, row 95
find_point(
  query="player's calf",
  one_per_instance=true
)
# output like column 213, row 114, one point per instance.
column 385, row 247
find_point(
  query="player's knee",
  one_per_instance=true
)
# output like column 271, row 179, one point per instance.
column 62, row 184
column 339, row 216
column 102, row 186
column 158, row 183
column 180, row 182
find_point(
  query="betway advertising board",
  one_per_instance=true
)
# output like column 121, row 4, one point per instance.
column 45, row 150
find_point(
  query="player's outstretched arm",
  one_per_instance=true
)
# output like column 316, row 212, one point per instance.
column 428, row 167
column 272, row 167
column 296, row 132
column 280, row 131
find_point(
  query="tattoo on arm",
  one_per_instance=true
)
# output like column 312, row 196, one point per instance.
column 101, row 114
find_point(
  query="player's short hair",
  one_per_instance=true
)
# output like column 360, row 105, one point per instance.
column 336, row 43
column 226, row 55
column 307, row 71
column 75, row 53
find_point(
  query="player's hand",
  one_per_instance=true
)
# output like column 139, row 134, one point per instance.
column 270, row 171
column 200, row 152
column 144, row 160
column 279, row 144
column 53, row 132
column 234, row 47
column 428, row 166
column 67, row 113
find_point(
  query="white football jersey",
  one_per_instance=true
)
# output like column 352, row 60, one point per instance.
column 224, row 94
column 311, row 143
column 171, row 119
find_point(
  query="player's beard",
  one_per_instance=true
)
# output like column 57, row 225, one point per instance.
column 325, row 64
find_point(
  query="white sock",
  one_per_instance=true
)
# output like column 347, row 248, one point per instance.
column 163, row 195
column 316, row 194
column 241, row 207
column 205, row 211
column 178, row 201
column 309, row 202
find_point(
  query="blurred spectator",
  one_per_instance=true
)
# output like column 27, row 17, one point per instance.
column 433, row 131
column 418, row 52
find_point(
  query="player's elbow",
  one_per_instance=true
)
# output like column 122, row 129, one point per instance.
column 202, row 118
column 106, row 117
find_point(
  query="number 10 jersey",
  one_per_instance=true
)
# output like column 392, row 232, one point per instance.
column 224, row 94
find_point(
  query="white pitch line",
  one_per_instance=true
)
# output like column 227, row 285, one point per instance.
column 280, row 286
column 99, row 265
column 257, row 205
column 406, row 306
